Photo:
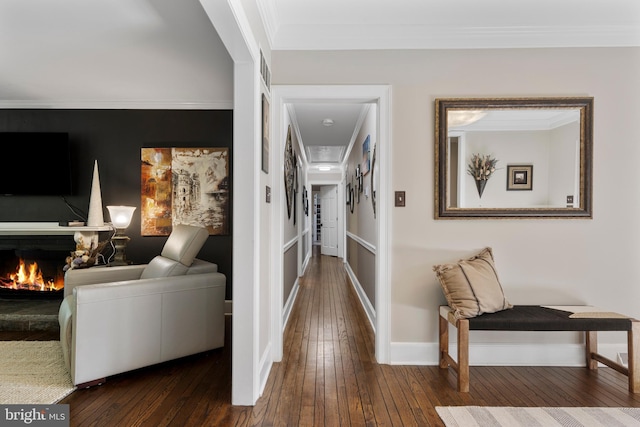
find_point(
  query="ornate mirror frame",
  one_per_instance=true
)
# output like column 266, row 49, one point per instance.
column 582, row 208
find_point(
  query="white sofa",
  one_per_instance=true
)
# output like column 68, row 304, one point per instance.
column 116, row 319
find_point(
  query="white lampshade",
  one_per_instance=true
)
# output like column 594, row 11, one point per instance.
column 121, row 215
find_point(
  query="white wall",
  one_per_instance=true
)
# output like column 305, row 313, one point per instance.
column 539, row 261
column 362, row 221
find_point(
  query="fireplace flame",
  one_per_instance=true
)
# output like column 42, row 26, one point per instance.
column 30, row 278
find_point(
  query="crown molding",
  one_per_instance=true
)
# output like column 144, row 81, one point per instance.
column 116, row 105
column 392, row 36
column 270, row 20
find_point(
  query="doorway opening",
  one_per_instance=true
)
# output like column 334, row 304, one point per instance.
column 380, row 95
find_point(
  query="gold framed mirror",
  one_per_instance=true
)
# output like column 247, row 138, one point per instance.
column 513, row 157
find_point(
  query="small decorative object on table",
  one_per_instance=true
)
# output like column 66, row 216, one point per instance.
column 84, row 257
column 481, row 167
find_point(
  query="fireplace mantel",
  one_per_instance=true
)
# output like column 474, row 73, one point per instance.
column 46, row 229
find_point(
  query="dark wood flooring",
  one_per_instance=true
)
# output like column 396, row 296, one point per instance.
column 328, row 377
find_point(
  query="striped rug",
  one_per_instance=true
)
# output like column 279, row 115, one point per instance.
column 503, row 416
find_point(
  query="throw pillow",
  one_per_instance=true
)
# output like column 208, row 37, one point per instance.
column 471, row 286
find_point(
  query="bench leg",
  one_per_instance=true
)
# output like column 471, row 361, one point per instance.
column 591, row 347
column 443, row 341
column 633, row 350
column 463, row 355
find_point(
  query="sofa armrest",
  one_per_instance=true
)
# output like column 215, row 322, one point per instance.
column 93, row 275
column 65, row 314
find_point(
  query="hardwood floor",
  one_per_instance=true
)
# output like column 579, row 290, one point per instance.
column 328, row 377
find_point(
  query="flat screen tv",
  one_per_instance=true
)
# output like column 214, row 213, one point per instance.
column 39, row 166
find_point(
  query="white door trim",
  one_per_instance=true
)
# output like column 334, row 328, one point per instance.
column 381, row 95
column 231, row 23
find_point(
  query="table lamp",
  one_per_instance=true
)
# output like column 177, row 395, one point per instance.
column 120, row 218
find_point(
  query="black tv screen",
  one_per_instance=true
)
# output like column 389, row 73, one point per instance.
column 40, row 165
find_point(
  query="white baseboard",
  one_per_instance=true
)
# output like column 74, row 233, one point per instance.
column 501, row 354
column 266, row 362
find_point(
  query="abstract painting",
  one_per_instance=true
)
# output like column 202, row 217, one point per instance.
column 366, row 156
column 184, row 186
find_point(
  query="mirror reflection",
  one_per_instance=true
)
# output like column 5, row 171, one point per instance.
column 520, row 157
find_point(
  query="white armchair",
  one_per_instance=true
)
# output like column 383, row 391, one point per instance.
column 116, row 319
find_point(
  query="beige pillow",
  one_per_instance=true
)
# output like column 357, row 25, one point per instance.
column 471, row 286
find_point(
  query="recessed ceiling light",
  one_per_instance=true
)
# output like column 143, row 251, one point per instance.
column 324, row 168
column 327, row 122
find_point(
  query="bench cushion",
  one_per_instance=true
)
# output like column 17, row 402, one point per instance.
column 538, row 318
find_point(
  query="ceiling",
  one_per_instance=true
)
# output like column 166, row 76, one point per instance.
column 160, row 53
column 327, row 129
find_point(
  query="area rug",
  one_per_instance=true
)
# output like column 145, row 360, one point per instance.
column 33, row 372
column 503, row 416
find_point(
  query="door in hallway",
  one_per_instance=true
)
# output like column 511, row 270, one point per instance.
column 329, row 233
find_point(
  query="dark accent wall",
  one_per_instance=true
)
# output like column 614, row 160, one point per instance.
column 114, row 138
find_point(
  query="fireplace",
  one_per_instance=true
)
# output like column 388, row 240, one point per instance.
column 32, row 268
column 49, row 245
column 33, row 274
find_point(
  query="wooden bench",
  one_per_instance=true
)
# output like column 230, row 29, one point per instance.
column 539, row 318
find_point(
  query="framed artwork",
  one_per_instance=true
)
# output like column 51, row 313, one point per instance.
column 295, row 206
column 305, row 200
column 373, row 181
column 184, row 186
column 351, row 200
column 289, row 172
column 265, row 72
column 265, row 134
column 366, row 155
column 519, row 177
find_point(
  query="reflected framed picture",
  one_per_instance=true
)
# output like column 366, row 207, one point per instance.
column 519, row 177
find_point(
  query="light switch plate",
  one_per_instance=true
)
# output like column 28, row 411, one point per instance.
column 400, row 199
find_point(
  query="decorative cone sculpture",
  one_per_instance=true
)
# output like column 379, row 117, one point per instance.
column 96, row 217
column 481, row 183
